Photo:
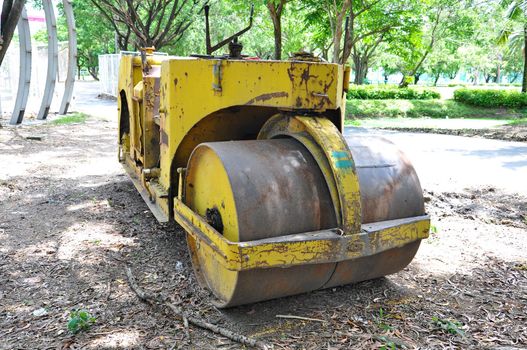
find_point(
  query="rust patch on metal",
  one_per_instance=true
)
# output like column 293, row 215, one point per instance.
column 266, row 97
column 328, row 85
column 290, row 73
column 306, row 75
column 323, row 101
column 299, row 102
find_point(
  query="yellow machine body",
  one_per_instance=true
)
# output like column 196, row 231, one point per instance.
column 249, row 158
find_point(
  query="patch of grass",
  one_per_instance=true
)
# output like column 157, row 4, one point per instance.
column 430, row 123
column 361, row 109
column 491, row 97
column 448, row 326
column 521, row 121
column 71, row 119
column 80, row 320
column 388, row 345
column 382, row 92
column 352, row 122
column 381, row 318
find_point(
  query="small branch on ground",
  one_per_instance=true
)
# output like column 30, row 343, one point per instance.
column 301, row 318
column 156, row 300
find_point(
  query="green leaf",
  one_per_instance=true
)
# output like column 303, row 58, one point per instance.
column 73, row 325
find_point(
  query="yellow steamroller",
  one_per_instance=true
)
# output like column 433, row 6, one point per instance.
column 248, row 156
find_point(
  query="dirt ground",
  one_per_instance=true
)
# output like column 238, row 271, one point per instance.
column 506, row 132
column 71, row 221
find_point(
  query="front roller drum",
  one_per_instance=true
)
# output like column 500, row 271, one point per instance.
column 252, row 190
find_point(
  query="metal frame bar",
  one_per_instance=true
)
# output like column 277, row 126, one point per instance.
column 72, row 57
column 53, row 48
column 327, row 246
column 24, row 78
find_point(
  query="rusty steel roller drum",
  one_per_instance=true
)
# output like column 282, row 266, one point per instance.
column 250, row 190
column 260, row 189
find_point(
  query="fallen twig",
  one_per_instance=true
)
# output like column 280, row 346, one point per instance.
column 34, row 137
column 186, row 319
column 301, row 318
column 185, row 324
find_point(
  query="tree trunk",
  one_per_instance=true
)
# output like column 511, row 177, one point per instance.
column 277, row 40
column 417, row 76
column 93, row 73
column 11, row 11
column 357, row 69
column 524, row 80
column 275, row 10
column 365, row 72
column 360, row 67
column 277, row 27
column 405, row 82
column 359, row 76
column 325, row 54
column 436, row 79
column 338, row 30
column 336, row 40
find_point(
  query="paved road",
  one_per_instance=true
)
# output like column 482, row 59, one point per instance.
column 450, row 163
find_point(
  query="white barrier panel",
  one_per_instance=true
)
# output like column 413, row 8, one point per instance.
column 109, row 73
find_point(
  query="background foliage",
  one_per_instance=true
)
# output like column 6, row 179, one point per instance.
column 484, row 39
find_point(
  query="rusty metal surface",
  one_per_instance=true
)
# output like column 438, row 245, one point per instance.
column 390, row 189
column 279, row 190
column 389, row 185
column 373, row 266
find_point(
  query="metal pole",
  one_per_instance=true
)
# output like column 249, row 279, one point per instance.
column 24, row 78
column 53, row 48
column 72, row 57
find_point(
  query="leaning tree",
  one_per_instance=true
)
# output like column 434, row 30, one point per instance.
column 11, row 10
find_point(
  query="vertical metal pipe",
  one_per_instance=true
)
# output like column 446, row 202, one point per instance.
column 24, row 77
column 53, row 48
column 72, row 57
